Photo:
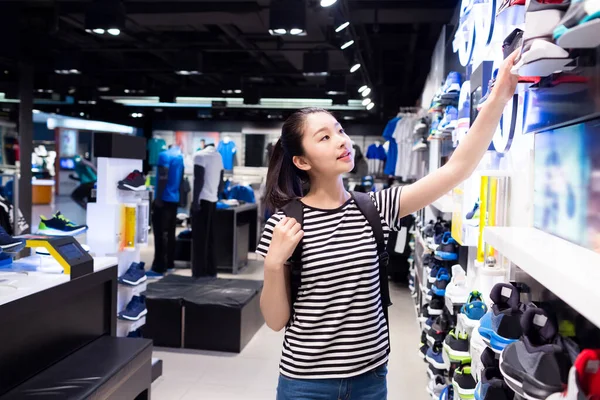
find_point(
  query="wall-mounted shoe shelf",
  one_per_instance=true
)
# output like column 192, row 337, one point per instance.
column 444, row 204
column 570, row 271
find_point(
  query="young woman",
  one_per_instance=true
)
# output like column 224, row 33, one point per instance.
column 336, row 342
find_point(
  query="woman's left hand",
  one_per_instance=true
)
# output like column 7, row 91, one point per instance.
column 506, row 81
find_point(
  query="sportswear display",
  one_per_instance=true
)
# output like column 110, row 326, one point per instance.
column 59, row 225
column 135, row 181
column 579, row 26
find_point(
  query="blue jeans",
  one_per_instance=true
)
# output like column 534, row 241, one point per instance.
column 371, row 385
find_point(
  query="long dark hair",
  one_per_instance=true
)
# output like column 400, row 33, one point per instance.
column 284, row 179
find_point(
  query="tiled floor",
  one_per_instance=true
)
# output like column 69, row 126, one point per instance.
column 252, row 374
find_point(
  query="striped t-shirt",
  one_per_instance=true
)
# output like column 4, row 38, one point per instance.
column 338, row 328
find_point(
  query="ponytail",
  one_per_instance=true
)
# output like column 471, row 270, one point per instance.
column 284, row 180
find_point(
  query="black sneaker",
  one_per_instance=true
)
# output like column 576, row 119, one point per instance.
column 436, row 306
column 434, row 336
column 423, row 351
column 489, row 360
column 464, row 383
column 58, row 225
column 456, row 345
column 135, row 181
column 10, row 244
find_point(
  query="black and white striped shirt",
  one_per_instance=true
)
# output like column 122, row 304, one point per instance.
column 338, row 328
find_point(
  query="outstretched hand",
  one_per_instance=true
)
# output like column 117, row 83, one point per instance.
column 506, row 81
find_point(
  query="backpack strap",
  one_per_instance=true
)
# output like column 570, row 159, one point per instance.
column 295, row 209
column 367, row 208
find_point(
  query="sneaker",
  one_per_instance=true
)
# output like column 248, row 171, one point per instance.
column 154, row 275
column 441, row 283
column 452, row 85
column 436, row 386
column 456, row 346
column 579, row 26
column 539, row 55
column 436, row 305
column 435, row 359
column 584, row 378
column 435, row 336
column 457, row 291
column 489, row 359
column 59, row 225
column 509, row 3
column 537, row 365
column 464, row 383
column 450, row 119
column 501, row 325
column 448, row 250
column 492, row 386
column 429, row 322
column 135, row 181
column 473, row 215
column 447, row 393
column 134, row 275
column 512, row 42
column 432, row 372
column 423, row 350
column 434, row 273
column 474, row 308
column 135, row 310
column 8, row 244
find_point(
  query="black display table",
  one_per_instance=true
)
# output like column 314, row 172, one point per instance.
column 236, row 234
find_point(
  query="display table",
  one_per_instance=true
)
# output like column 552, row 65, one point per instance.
column 42, row 191
column 56, row 323
column 236, row 234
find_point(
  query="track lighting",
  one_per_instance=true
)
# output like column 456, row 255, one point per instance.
column 328, row 3
column 366, row 102
column 362, row 88
column 366, row 92
column 355, row 68
column 342, row 26
column 347, row 44
column 370, row 106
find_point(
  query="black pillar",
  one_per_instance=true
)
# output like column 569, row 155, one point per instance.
column 25, row 137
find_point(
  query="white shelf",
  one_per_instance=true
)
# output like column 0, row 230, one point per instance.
column 570, row 271
column 129, row 326
column 134, row 290
column 444, row 204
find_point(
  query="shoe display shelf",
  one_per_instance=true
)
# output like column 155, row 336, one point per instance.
column 570, row 271
column 106, row 221
column 444, row 204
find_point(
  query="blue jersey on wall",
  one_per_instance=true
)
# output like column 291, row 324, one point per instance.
column 227, row 151
column 173, row 160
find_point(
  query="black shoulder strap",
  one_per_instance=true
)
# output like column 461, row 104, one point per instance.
column 295, row 209
column 367, row 208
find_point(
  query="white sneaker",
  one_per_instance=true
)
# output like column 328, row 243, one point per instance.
column 435, row 386
column 457, row 291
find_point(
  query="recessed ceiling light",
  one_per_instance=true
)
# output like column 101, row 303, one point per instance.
column 99, row 31
column 126, row 90
column 327, row 3
column 280, row 31
column 366, row 92
column 36, row 111
column 342, row 26
column 295, row 31
column 238, row 91
column 355, row 68
column 347, row 44
column 362, row 88
column 366, row 102
column 114, row 31
column 103, row 89
column 370, row 106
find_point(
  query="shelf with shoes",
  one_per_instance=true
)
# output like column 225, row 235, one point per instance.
column 568, row 270
column 444, row 204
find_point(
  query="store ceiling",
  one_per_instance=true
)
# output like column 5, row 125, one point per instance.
column 394, row 38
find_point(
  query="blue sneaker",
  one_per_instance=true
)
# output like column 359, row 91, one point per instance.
column 434, row 273
column 501, row 325
column 435, row 359
column 450, row 120
column 474, row 308
column 447, row 393
column 134, row 275
column 154, row 275
column 448, row 250
column 492, row 386
column 59, row 225
column 442, row 281
column 8, row 244
column 452, row 84
column 429, row 322
column 135, row 310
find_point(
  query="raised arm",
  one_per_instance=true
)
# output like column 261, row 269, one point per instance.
column 469, row 152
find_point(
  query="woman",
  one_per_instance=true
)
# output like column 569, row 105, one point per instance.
column 336, row 342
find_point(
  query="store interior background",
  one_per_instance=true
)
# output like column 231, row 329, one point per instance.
column 187, row 71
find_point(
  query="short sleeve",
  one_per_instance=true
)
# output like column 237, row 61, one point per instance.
column 387, row 202
column 265, row 239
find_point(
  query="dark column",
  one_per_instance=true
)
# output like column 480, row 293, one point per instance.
column 25, row 137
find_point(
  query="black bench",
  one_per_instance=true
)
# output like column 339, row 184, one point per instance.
column 108, row 368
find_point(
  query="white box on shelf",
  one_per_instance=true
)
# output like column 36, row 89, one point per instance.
column 570, row 271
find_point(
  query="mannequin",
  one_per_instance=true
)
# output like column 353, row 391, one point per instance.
column 164, row 215
column 208, row 180
column 227, row 149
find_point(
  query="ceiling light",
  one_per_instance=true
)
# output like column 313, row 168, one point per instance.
column 184, row 72
column 74, row 71
column 88, row 30
column 82, row 114
column 280, row 31
column 272, row 32
column 238, row 91
column 347, row 44
column 366, row 92
column 99, row 31
column 114, row 31
column 366, row 102
column 36, row 111
column 355, row 68
column 126, row 90
column 327, row 3
column 370, row 106
column 362, row 88
column 296, row 31
column 103, row 89
column 342, row 26
column 335, row 93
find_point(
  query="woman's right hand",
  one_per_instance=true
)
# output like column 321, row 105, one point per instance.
column 286, row 236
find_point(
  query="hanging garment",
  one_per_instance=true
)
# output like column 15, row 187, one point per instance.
column 242, row 193
column 172, row 160
column 155, row 146
column 403, row 136
column 376, row 155
column 227, row 150
column 392, row 156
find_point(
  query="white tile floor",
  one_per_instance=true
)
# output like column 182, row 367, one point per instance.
column 252, row 374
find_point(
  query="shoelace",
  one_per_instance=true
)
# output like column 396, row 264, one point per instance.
column 65, row 220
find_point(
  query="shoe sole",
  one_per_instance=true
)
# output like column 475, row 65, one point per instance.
column 462, row 393
column 124, row 186
column 131, row 283
column 542, row 59
column 446, row 256
column 56, row 232
column 458, row 356
column 583, row 36
column 493, row 340
column 436, row 364
column 140, row 315
column 13, row 247
column 526, row 387
column 433, row 311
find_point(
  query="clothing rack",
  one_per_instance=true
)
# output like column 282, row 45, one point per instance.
column 406, row 111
